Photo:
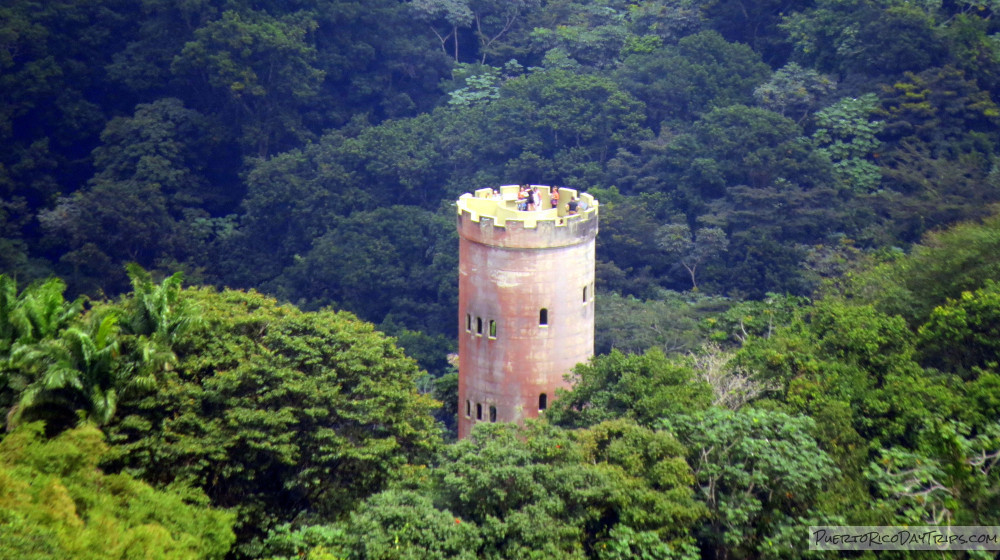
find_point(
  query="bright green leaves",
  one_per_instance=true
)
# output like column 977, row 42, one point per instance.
column 405, row 524
column 756, row 471
column 963, row 335
column 34, row 344
column 640, row 387
column 948, row 480
column 38, row 312
column 58, row 360
column 481, row 84
column 538, row 492
column 277, row 410
column 847, row 136
column 79, row 369
column 862, row 336
column 57, row 504
column 948, row 263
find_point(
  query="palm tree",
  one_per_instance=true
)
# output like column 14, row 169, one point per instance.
column 155, row 317
column 40, row 311
column 79, row 370
column 33, row 317
column 64, row 369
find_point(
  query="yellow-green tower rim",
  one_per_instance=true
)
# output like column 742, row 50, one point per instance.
column 501, row 206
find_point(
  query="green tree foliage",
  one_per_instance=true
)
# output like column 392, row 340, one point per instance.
column 749, row 171
column 742, row 146
column 56, row 503
column 641, row 388
column 57, row 360
column 38, row 313
column 394, row 264
column 444, row 18
column 752, row 319
column 884, row 37
column 963, row 334
column 847, row 136
column 758, row 472
column 855, row 359
column 702, row 72
column 151, row 182
column 182, row 91
column 273, row 411
column 561, row 124
column 939, row 105
column 614, row 491
column 916, row 444
column 400, row 162
column 697, row 112
column 153, row 318
column 946, row 264
column 77, row 370
column 628, row 262
column 670, row 322
column 691, row 250
column 948, row 479
column 794, row 91
column 265, row 66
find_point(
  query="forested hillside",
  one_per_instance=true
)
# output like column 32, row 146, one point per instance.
column 798, row 263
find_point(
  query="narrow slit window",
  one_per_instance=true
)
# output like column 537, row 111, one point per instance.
column 493, row 328
column 468, row 408
column 468, row 323
column 543, row 317
column 584, row 294
column 543, row 401
column 479, row 411
column 493, row 413
column 479, row 326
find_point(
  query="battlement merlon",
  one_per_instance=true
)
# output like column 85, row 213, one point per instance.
column 484, row 218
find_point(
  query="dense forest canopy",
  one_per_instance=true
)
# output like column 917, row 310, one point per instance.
column 310, row 149
column 798, row 251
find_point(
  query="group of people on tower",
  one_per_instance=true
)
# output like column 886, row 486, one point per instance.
column 529, row 199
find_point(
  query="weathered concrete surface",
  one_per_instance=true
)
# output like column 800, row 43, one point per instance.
column 508, row 275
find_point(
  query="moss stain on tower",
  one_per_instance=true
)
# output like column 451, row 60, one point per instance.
column 526, row 301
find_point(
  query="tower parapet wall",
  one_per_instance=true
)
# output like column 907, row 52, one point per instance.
column 526, row 301
column 498, row 221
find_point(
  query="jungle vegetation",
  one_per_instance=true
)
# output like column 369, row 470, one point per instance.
column 228, row 274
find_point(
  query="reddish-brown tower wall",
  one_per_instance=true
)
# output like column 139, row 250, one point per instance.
column 507, row 275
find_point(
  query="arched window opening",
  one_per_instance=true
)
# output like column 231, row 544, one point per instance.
column 479, row 411
column 493, row 328
column 543, row 317
column 468, row 408
column 479, row 326
column 493, row 413
column 543, row 402
column 468, row 322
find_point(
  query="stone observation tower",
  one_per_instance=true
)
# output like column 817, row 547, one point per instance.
column 525, row 301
